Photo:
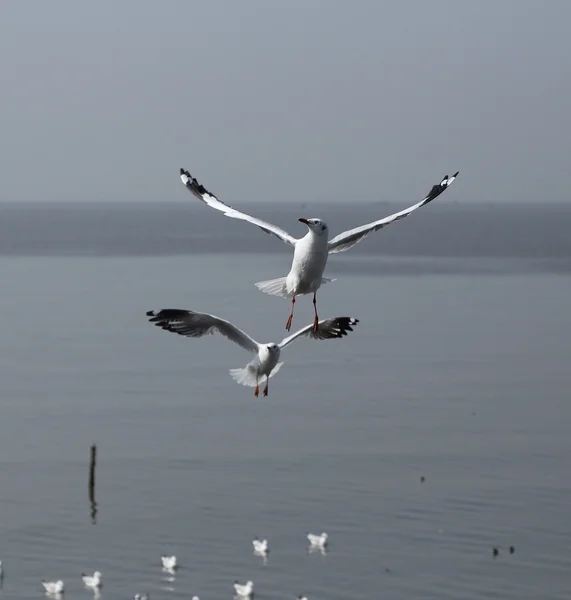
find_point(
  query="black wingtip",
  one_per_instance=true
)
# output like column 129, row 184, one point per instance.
column 456, row 174
column 181, row 171
column 346, row 324
column 150, row 313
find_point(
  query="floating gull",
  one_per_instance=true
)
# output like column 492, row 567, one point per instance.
column 311, row 251
column 260, row 546
column 53, row 587
column 265, row 364
column 244, row 590
column 92, row 581
column 169, row 562
column 319, row 541
column 141, row 597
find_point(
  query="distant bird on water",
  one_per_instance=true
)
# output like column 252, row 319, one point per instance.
column 244, row 590
column 53, row 587
column 92, row 581
column 319, row 541
column 169, row 562
column 260, row 546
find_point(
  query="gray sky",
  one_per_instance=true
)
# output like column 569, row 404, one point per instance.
column 319, row 100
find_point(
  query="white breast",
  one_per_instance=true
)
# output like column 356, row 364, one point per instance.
column 268, row 360
column 309, row 261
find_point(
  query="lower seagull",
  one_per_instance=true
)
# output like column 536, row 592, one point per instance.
column 266, row 362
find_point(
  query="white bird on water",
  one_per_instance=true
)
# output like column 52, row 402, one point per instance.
column 244, row 590
column 141, row 597
column 53, row 587
column 319, row 541
column 266, row 362
column 169, row 562
column 92, row 581
column 311, row 251
column 260, row 546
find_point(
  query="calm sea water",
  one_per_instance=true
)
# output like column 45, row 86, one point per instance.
column 458, row 372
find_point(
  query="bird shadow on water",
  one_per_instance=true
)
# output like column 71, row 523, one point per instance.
column 168, row 579
column 262, row 555
column 317, row 550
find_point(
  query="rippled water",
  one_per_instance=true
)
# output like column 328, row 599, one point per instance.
column 461, row 378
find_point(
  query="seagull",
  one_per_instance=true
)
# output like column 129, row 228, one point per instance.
column 265, row 364
column 244, row 590
column 260, row 546
column 92, row 581
column 53, row 587
column 169, row 562
column 311, row 251
column 141, row 597
column 300, row 597
column 319, row 541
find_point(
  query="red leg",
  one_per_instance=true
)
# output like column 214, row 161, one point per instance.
column 290, row 318
column 266, row 388
column 316, row 319
column 257, row 389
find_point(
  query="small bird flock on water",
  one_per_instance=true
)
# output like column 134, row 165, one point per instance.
column 310, row 255
column 56, row 588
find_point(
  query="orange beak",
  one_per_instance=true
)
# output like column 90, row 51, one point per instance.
column 302, row 220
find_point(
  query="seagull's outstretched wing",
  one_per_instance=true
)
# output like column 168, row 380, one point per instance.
column 327, row 329
column 195, row 324
column 211, row 200
column 348, row 239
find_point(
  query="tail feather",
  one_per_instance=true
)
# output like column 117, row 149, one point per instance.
column 277, row 287
column 274, row 287
column 247, row 375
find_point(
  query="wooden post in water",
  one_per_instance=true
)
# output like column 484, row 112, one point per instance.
column 92, row 461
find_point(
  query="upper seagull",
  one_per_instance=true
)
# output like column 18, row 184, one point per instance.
column 265, row 364
column 311, row 251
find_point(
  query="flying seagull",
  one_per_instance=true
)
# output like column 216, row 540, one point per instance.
column 311, row 251
column 265, row 363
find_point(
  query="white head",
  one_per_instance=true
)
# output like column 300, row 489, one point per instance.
column 316, row 226
column 97, row 575
column 272, row 349
column 324, row 536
